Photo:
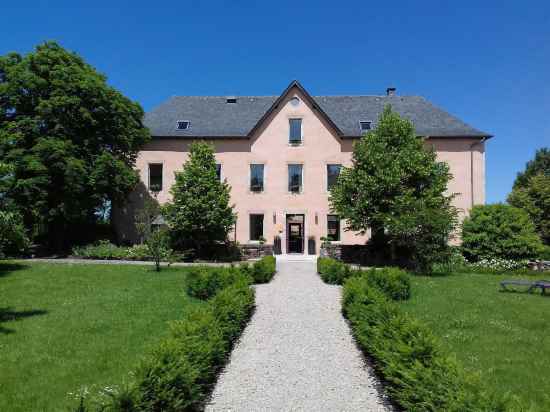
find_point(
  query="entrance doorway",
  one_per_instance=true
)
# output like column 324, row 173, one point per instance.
column 295, row 233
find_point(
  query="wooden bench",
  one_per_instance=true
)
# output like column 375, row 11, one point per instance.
column 532, row 285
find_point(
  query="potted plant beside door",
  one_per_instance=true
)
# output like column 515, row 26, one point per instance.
column 261, row 250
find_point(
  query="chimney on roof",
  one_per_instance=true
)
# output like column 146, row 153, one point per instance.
column 231, row 99
column 390, row 91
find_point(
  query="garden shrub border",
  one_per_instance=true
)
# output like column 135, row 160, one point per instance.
column 105, row 250
column 417, row 373
column 180, row 372
column 203, row 282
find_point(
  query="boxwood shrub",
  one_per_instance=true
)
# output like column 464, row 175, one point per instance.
column 180, row 372
column 333, row 271
column 394, row 282
column 203, row 282
column 419, row 376
column 261, row 271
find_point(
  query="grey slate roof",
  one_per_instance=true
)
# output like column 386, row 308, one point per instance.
column 211, row 116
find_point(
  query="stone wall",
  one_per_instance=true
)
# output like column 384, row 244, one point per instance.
column 255, row 251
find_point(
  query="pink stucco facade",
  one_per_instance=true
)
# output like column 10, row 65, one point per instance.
column 321, row 146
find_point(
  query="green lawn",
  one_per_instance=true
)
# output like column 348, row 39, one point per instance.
column 504, row 336
column 68, row 327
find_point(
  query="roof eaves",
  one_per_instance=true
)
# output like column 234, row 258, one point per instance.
column 190, row 137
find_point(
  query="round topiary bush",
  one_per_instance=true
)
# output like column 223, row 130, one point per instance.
column 499, row 231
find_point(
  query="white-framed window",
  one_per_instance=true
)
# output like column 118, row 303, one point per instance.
column 183, row 124
column 256, row 226
column 295, row 131
column 295, row 178
column 155, row 177
column 333, row 171
column 257, row 177
column 365, row 125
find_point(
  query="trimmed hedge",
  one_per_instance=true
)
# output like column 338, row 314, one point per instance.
column 418, row 375
column 394, row 282
column 203, row 282
column 261, row 271
column 333, row 271
column 180, row 373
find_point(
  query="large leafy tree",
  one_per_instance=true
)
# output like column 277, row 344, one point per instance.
column 13, row 237
column 539, row 165
column 534, row 198
column 531, row 192
column 396, row 188
column 72, row 140
column 199, row 213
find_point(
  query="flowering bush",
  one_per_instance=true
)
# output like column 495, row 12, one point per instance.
column 499, row 264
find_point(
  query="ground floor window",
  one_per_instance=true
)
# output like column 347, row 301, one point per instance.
column 256, row 226
column 333, row 227
column 219, row 171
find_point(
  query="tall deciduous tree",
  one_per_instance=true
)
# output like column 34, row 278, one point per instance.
column 539, row 165
column 71, row 138
column 534, row 198
column 13, row 237
column 199, row 213
column 531, row 192
column 396, row 188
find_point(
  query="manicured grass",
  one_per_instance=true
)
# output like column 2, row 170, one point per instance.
column 503, row 336
column 66, row 328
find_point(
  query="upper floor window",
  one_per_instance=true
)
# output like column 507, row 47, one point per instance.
column 365, row 125
column 333, row 227
column 155, row 177
column 256, row 177
column 256, row 226
column 333, row 171
column 219, row 171
column 295, row 131
column 183, row 124
column 295, row 178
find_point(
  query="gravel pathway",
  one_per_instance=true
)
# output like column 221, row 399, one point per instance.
column 297, row 353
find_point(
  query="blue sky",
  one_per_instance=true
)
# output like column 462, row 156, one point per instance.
column 487, row 62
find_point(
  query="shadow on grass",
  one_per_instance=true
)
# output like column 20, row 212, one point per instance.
column 7, row 268
column 8, row 315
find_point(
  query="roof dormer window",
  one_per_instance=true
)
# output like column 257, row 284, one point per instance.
column 365, row 125
column 183, row 124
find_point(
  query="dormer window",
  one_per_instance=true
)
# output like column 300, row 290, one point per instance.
column 183, row 125
column 365, row 125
